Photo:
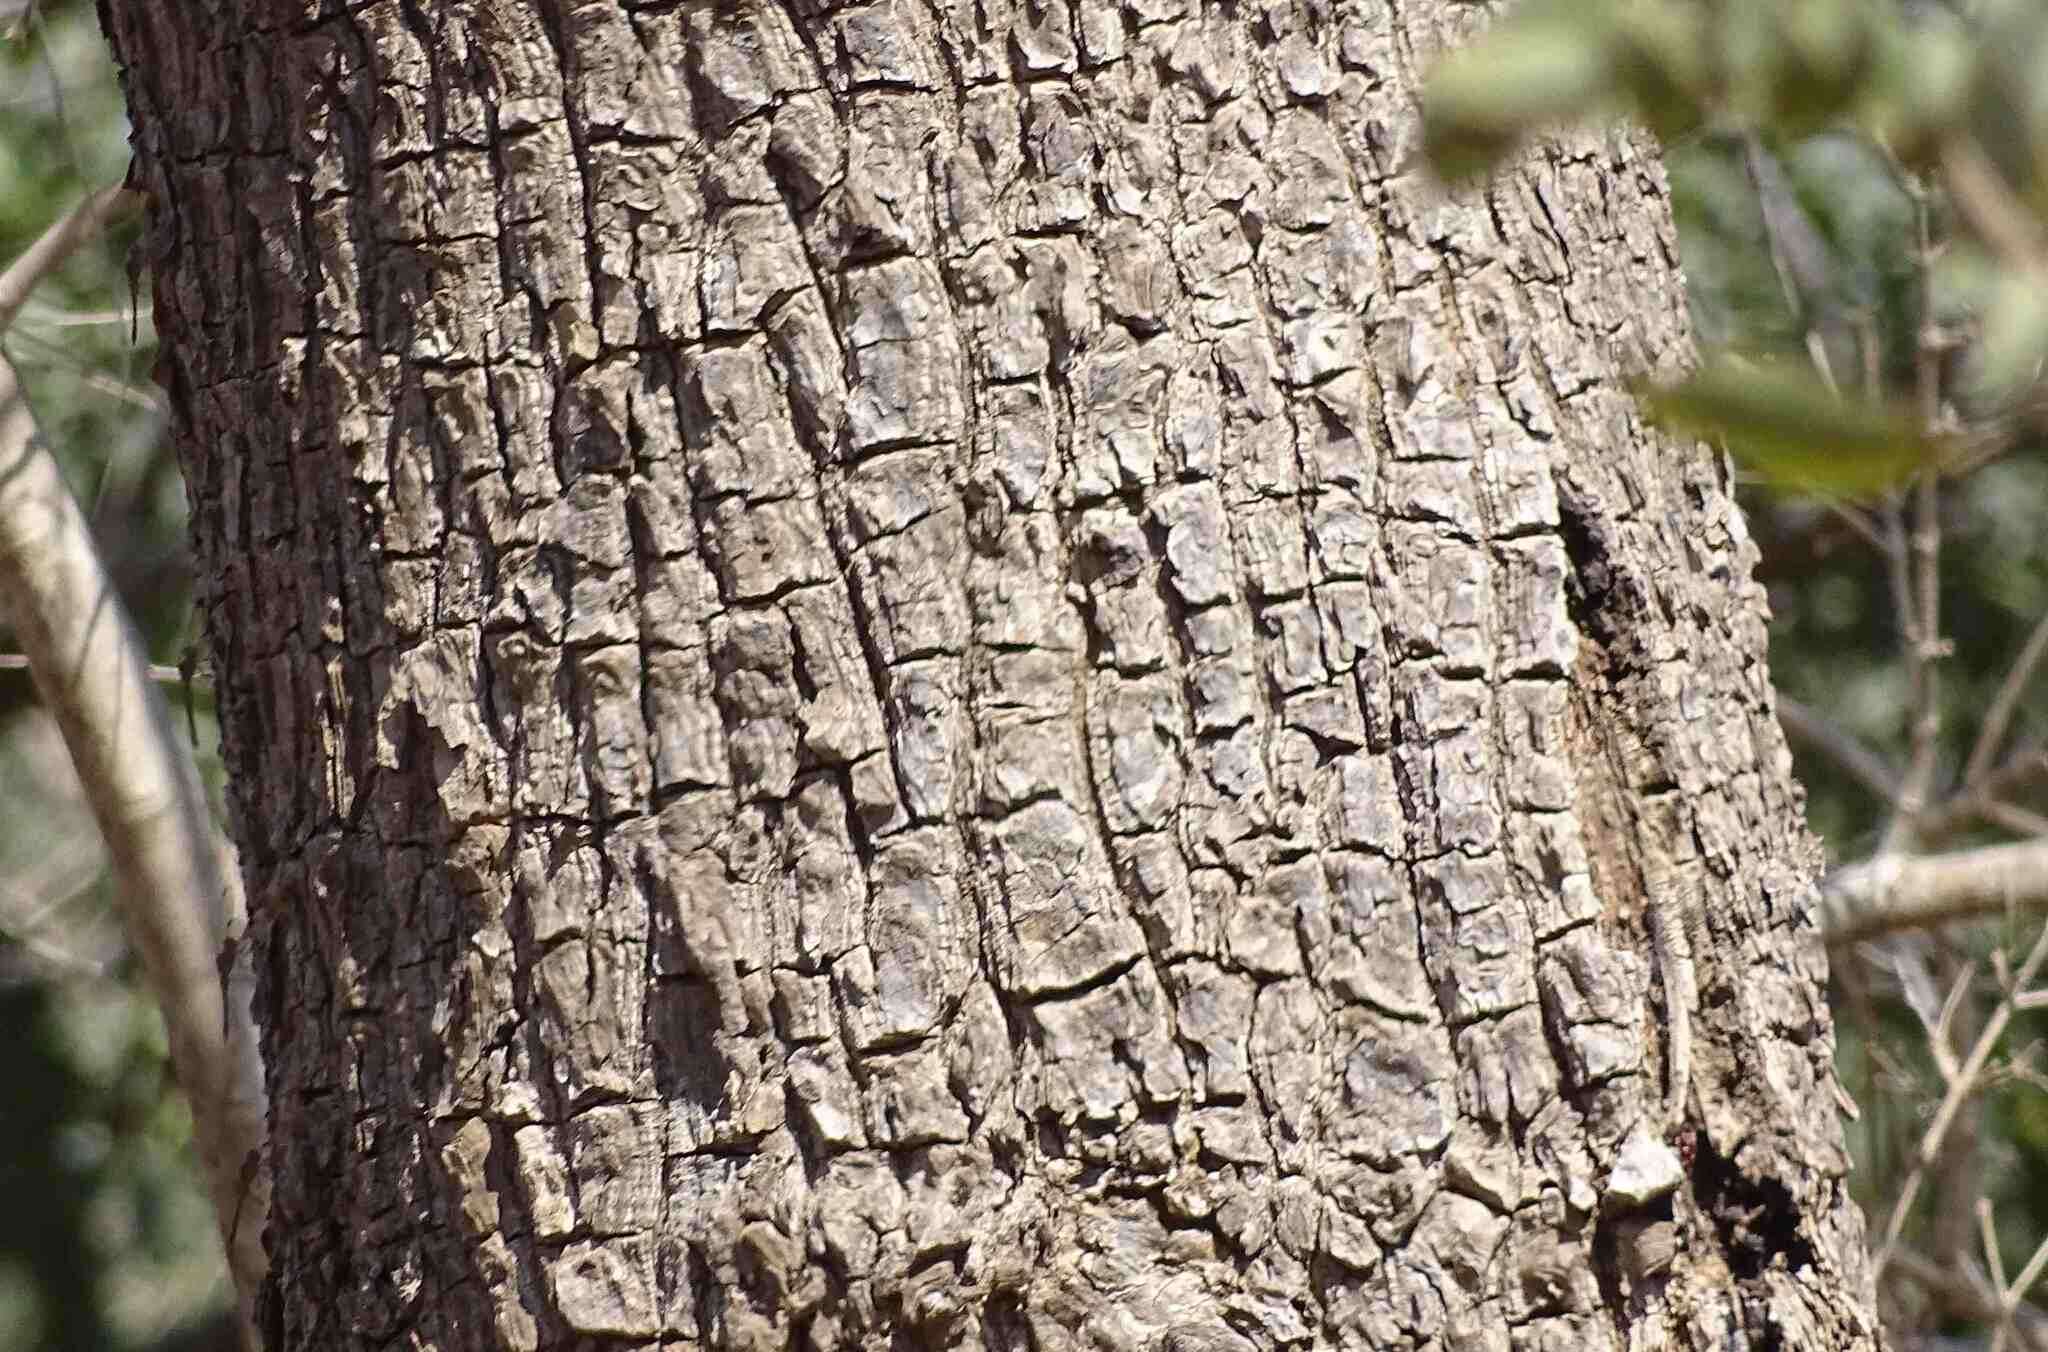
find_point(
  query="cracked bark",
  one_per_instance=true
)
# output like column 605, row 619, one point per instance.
column 940, row 675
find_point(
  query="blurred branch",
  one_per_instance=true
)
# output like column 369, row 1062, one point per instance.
column 1916, row 571
column 50, row 316
column 2017, row 820
column 57, row 244
column 1897, row 891
column 1984, row 800
column 1859, row 521
column 2009, row 1296
column 1999, row 716
column 60, row 958
column 1810, row 729
column 62, row 878
column 16, row 15
column 99, row 381
column 1802, row 259
column 1966, row 1295
column 65, row 874
column 1959, row 1089
column 1916, row 589
column 1978, row 191
column 158, row 672
column 144, row 789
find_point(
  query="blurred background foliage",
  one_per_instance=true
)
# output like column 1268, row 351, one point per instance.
column 1814, row 149
column 106, row 1239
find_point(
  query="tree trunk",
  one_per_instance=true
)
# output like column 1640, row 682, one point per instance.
column 965, row 675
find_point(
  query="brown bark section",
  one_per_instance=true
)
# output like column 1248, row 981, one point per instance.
column 937, row 675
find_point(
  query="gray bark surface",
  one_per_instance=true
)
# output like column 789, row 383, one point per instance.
column 936, row 675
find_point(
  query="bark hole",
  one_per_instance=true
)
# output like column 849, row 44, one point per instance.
column 1592, row 577
column 1755, row 1218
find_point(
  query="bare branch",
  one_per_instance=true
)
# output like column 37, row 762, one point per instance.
column 50, row 316
column 1857, row 520
column 1959, row 1090
column 57, row 243
column 55, row 955
column 1999, row 219
column 2031, row 1273
column 1892, row 892
column 1898, row 570
column 1963, row 1295
column 2017, row 820
column 1999, row 716
column 1924, row 648
column 1939, row 1036
column 161, row 674
column 1987, row 1234
column 1971, row 804
column 1814, row 731
column 178, row 902
column 135, row 396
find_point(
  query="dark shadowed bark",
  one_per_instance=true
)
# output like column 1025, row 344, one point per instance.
column 938, row 675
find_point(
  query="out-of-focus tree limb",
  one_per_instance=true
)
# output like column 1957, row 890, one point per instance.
column 1961, row 1086
column 1967, row 1295
column 58, row 243
column 1985, row 801
column 1991, row 734
column 1898, row 891
column 160, row 672
column 179, row 902
column 1999, row 218
column 1811, row 729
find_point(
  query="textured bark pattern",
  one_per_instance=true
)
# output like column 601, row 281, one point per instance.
column 953, row 674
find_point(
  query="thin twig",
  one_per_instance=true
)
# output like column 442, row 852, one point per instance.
column 1938, row 1040
column 1927, row 561
column 53, row 317
column 1899, row 572
column 1952, row 1101
column 1968, row 805
column 56, row 955
column 1963, row 1295
column 2037, row 1262
column 1808, row 727
column 157, row 671
column 1916, row 583
column 57, row 243
column 1999, row 219
column 114, row 388
column 1999, row 716
column 2017, row 820
column 1858, row 520
column 1987, row 1234
column 63, row 879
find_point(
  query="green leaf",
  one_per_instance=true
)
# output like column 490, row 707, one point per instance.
column 1791, row 428
column 2009, row 359
column 1920, row 87
column 1828, row 50
column 1661, row 59
column 1541, row 67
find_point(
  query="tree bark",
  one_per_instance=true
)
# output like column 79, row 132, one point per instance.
column 942, row 675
